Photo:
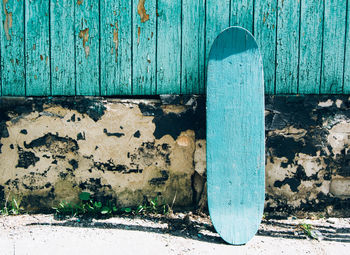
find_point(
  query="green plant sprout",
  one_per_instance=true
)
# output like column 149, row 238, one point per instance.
column 10, row 207
column 310, row 232
column 91, row 207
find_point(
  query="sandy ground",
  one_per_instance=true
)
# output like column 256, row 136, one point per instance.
column 179, row 234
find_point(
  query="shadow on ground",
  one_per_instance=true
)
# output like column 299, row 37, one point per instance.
column 176, row 227
column 274, row 228
column 202, row 230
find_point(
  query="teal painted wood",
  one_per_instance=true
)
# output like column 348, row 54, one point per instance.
column 235, row 136
column 169, row 51
column 87, row 48
column 333, row 47
column 311, row 37
column 62, row 47
column 116, row 47
column 12, row 48
column 37, row 47
column 287, row 46
column 242, row 14
column 217, row 19
column 202, row 46
column 144, row 47
column 347, row 55
column 169, row 47
column 265, row 34
column 192, row 75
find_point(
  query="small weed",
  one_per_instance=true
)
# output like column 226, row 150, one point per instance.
column 153, row 207
column 86, row 207
column 264, row 217
column 310, row 232
column 66, row 208
column 93, row 208
column 306, row 228
column 10, row 208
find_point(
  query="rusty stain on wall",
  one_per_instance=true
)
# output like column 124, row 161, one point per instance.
column 116, row 40
column 138, row 35
column 84, row 34
column 142, row 11
column 8, row 21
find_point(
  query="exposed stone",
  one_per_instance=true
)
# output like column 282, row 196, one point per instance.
column 340, row 187
column 200, row 163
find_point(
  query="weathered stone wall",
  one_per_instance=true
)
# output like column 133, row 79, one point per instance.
column 308, row 157
column 51, row 149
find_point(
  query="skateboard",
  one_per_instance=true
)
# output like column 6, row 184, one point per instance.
column 235, row 135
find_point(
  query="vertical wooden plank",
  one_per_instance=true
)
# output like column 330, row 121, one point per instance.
column 201, row 48
column 12, row 48
column 333, row 47
column 265, row 34
column 217, row 19
column 242, row 14
column 37, row 47
column 287, row 47
column 144, row 47
column 1, row 62
column 87, row 47
column 310, row 51
column 62, row 47
column 168, row 47
column 193, row 13
column 116, row 47
column 347, row 53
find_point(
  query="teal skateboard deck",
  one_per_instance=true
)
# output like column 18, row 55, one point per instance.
column 235, row 136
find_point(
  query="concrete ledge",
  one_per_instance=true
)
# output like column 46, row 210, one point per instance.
column 51, row 149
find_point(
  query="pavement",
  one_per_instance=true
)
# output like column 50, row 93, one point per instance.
column 182, row 233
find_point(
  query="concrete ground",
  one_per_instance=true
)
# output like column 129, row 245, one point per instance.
column 178, row 234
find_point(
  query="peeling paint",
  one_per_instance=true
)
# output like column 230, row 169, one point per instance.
column 340, row 187
column 338, row 103
column 84, row 34
column 138, row 35
column 142, row 11
column 116, row 40
column 8, row 20
column 113, row 134
column 327, row 103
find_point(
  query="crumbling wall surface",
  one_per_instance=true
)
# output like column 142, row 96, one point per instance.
column 51, row 149
column 308, row 157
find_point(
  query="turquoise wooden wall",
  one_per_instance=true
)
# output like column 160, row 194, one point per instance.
column 149, row 47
